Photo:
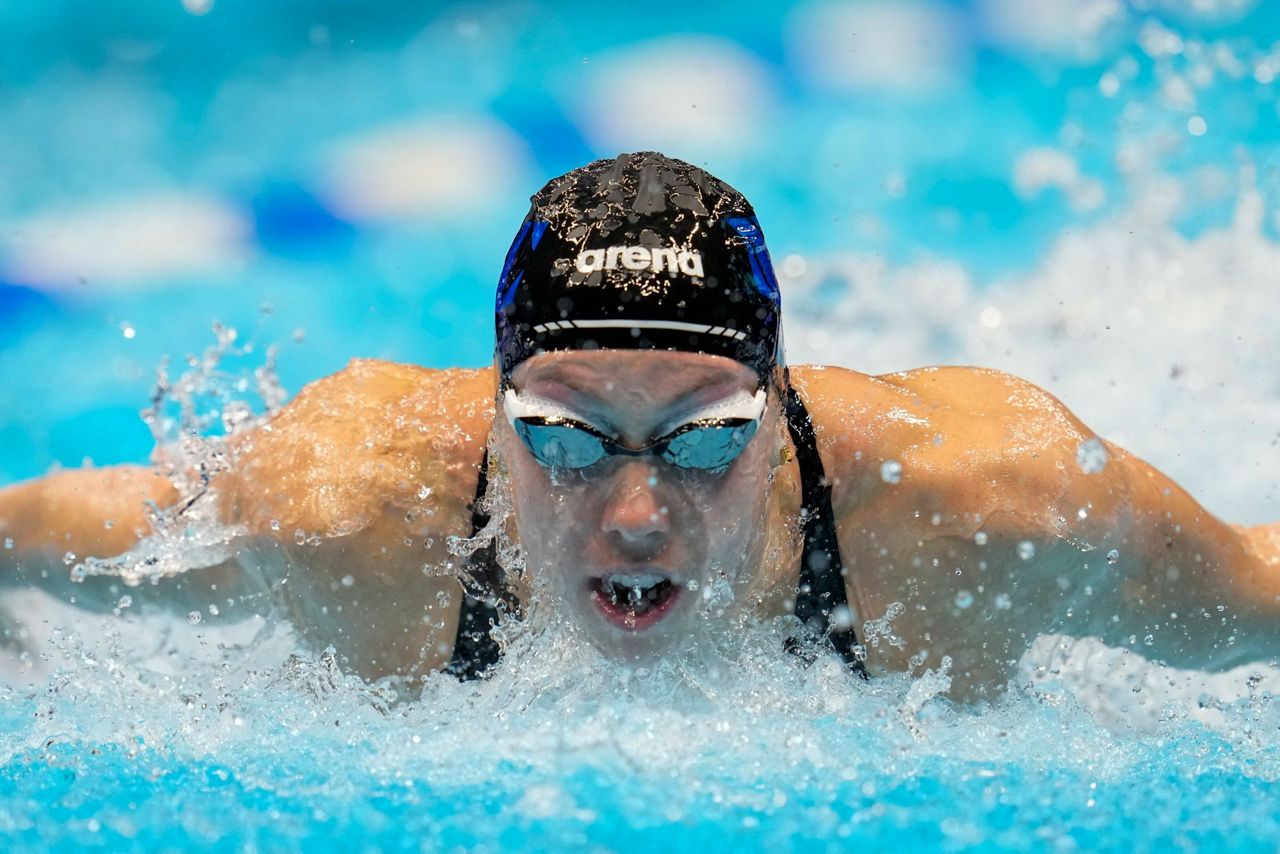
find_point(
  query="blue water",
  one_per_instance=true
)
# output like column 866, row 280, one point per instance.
column 909, row 228
column 297, row 757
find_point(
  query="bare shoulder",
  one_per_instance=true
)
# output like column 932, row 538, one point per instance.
column 943, row 439
column 373, row 437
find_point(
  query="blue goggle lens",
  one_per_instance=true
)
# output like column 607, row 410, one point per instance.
column 561, row 443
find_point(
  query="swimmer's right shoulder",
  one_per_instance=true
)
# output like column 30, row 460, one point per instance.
column 378, row 380
column 368, row 439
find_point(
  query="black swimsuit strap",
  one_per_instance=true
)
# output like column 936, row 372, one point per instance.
column 820, row 590
column 474, row 649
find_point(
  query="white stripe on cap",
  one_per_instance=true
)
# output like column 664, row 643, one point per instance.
column 676, row 325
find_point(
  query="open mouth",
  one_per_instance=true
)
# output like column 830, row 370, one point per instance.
column 633, row 600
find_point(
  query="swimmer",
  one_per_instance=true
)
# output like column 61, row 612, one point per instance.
column 670, row 475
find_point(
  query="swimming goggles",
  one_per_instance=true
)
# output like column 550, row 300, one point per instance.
column 709, row 441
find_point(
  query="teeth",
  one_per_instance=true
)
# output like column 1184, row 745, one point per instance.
column 637, row 582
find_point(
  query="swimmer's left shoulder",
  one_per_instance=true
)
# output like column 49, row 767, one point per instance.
column 963, row 437
column 917, row 402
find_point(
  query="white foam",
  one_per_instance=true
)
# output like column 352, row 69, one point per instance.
column 689, row 95
column 127, row 241
column 1038, row 169
column 900, row 47
column 432, row 167
column 1127, row 693
column 1158, row 342
column 1069, row 29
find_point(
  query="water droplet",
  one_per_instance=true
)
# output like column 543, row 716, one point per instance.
column 299, row 536
column 127, row 330
column 936, row 519
column 275, row 524
column 348, row 581
column 1026, row 550
column 193, row 618
column 1003, row 602
column 69, row 558
column 980, row 538
column 891, row 471
column 213, row 610
column 444, row 598
column 8, row 543
column 124, row 602
column 1149, row 639
column 841, row 618
column 1091, row 456
column 964, row 599
column 1082, row 514
column 1113, row 557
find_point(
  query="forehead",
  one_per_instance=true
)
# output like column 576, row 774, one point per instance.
column 657, row 377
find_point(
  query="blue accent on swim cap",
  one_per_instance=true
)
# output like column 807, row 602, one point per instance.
column 535, row 237
column 761, row 263
column 506, row 284
column 749, row 228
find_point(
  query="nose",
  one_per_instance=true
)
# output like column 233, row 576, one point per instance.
column 634, row 510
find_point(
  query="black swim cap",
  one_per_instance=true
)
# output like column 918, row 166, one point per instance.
column 639, row 252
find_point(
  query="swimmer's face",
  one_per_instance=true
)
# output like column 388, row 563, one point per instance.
column 639, row 552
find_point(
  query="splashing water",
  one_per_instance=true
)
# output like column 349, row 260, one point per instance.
column 561, row 747
column 193, row 421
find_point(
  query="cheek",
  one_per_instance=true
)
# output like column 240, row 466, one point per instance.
column 734, row 506
column 549, row 511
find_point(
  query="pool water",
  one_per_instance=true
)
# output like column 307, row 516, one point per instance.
column 1088, row 197
column 748, row 749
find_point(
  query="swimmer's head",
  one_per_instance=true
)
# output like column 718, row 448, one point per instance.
column 639, row 359
column 642, row 252
column 642, row 485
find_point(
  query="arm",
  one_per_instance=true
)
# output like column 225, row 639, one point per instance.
column 346, row 499
column 995, row 534
column 82, row 511
column 50, row 524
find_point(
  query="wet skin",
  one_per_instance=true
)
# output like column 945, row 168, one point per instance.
column 592, row 533
column 377, row 466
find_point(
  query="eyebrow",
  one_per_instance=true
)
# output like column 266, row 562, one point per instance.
column 571, row 377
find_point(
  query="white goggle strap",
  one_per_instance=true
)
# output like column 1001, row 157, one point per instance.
column 741, row 405
column 518, row 405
